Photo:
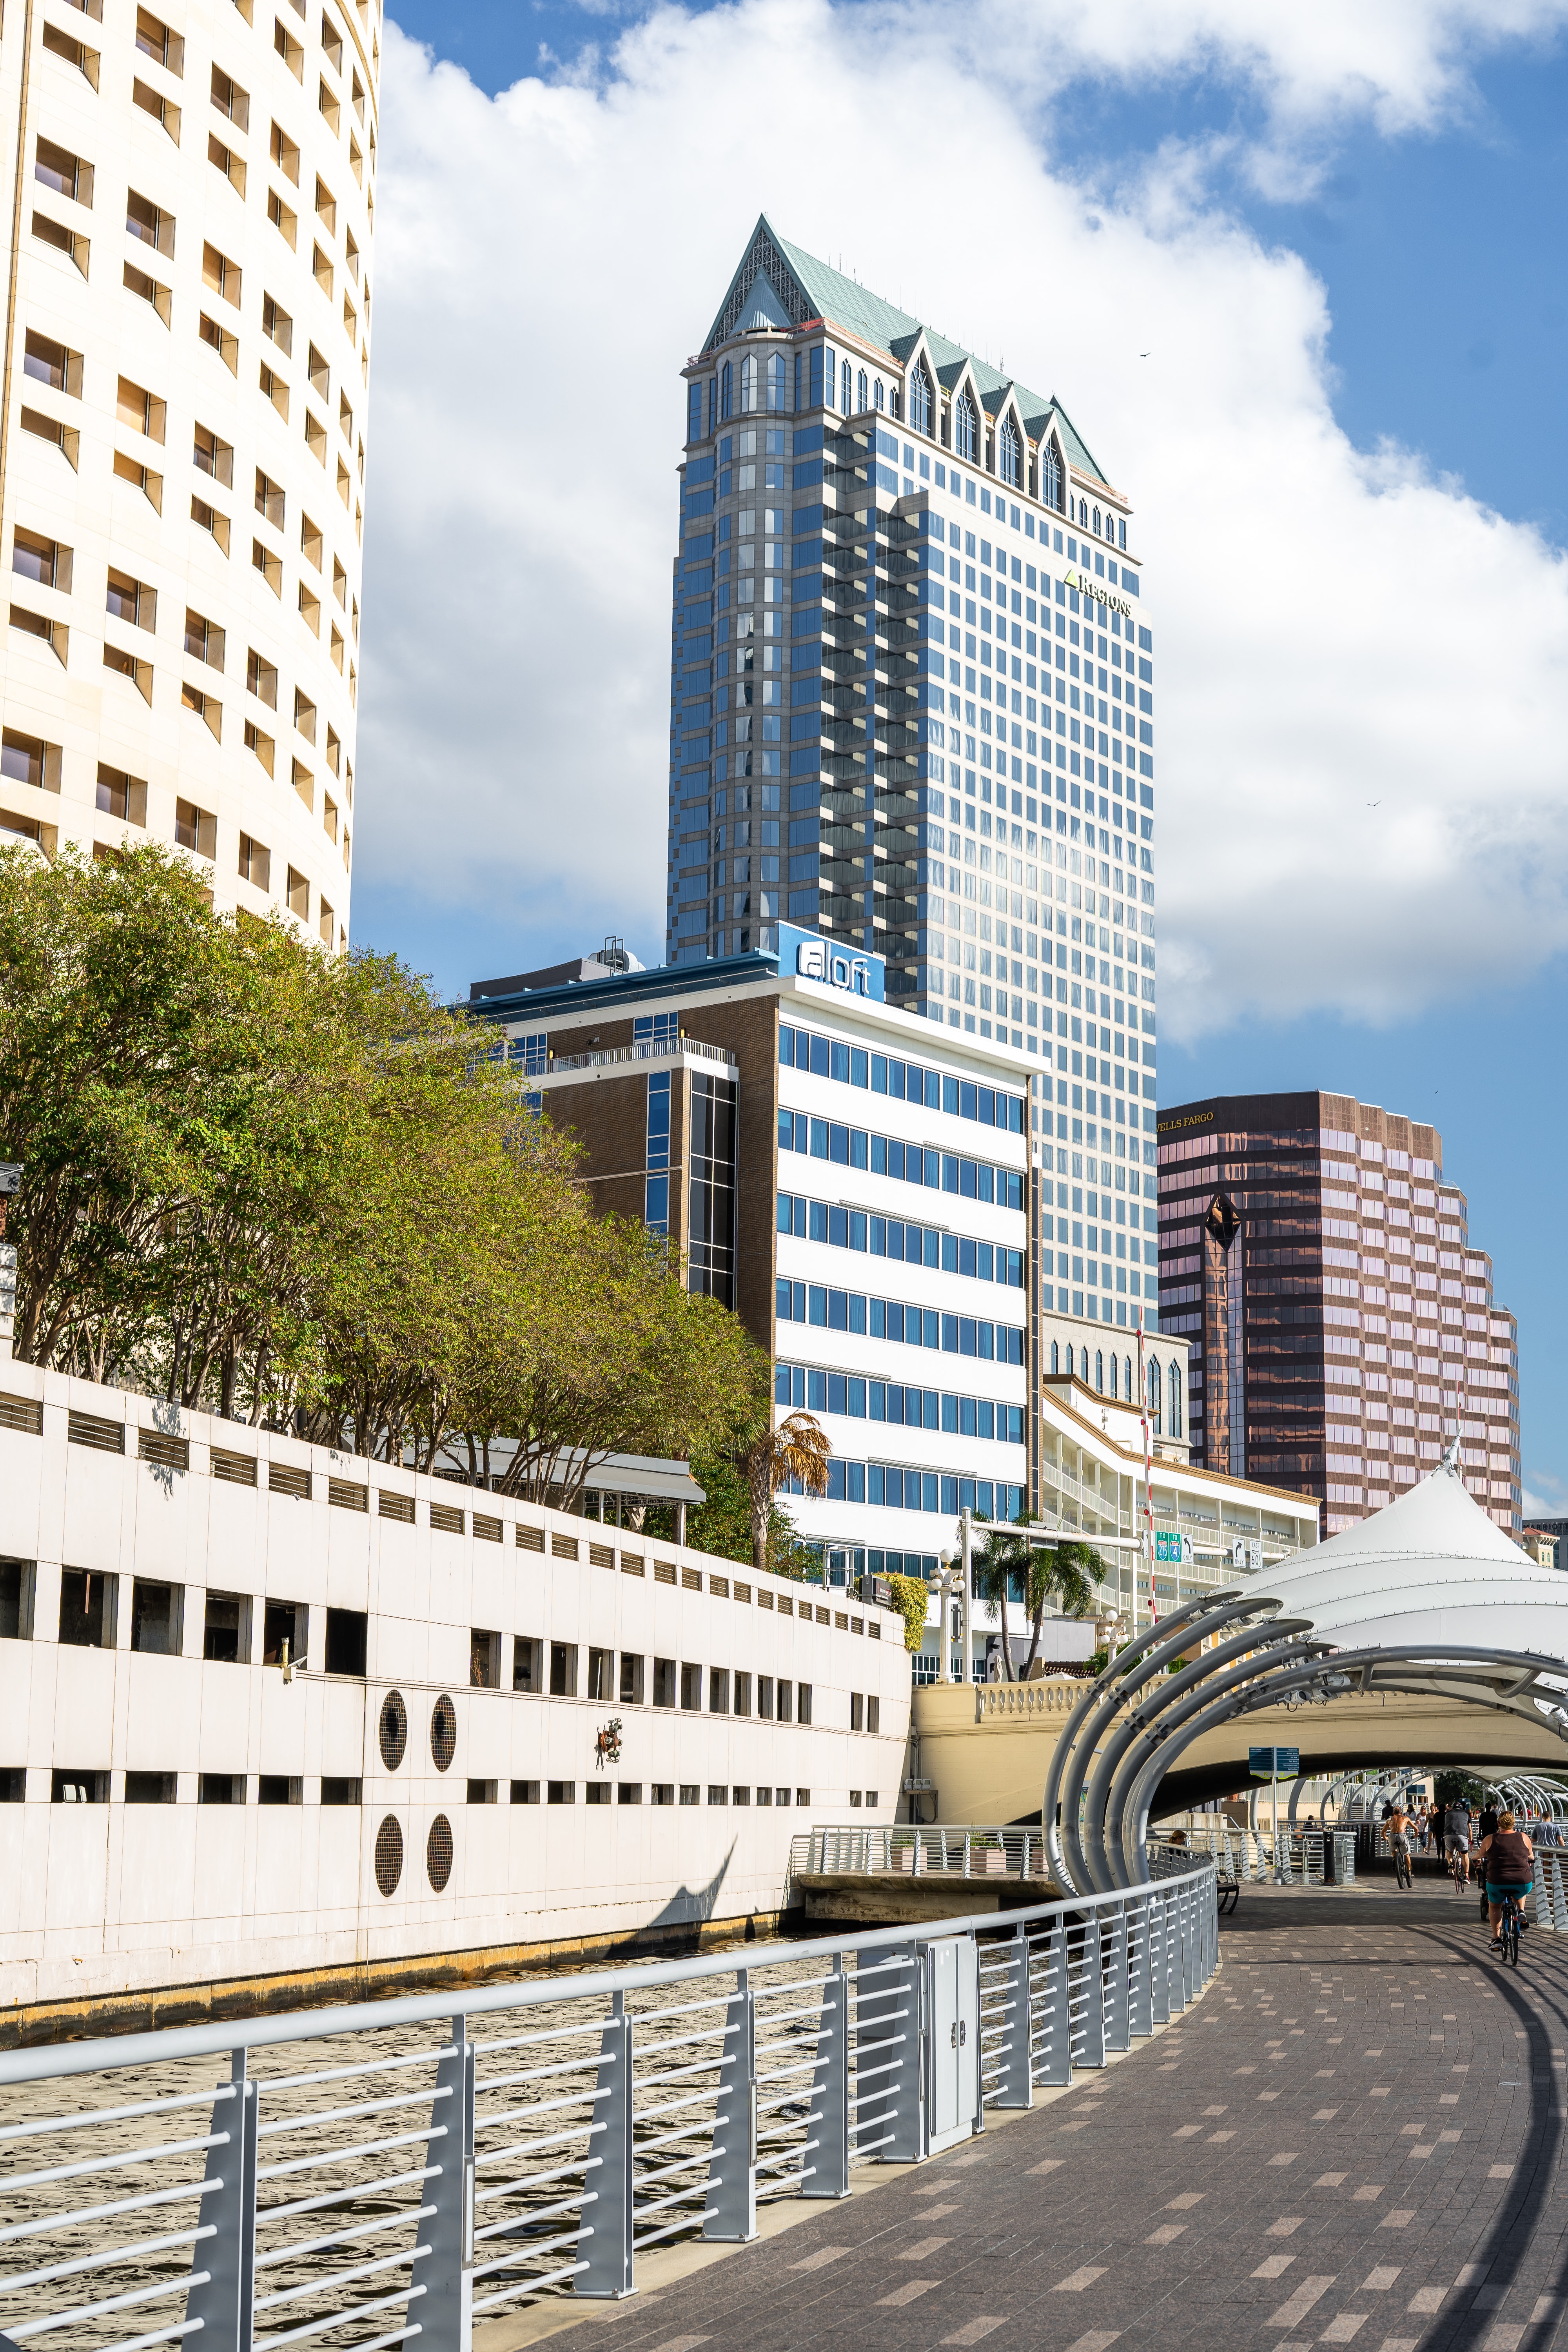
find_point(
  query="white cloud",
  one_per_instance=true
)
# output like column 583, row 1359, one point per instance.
column 1332, row 630
column 1544, row 1498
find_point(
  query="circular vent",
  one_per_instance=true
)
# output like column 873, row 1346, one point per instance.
column 392, row 1730
column 438, row 1853
column 389, row 1855
column 443, row 1734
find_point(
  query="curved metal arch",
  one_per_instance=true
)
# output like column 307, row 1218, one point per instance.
column 1178, row 1725
column 1255, row 1667
column 1145, row 1655
column 1169, row 1692
column 1406, row 1669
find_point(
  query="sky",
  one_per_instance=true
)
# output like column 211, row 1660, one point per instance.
column 1298, row 277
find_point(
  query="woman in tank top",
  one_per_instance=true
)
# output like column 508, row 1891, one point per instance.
column 1509, row 1859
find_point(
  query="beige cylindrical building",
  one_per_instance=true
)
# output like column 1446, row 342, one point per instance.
column 182, row 433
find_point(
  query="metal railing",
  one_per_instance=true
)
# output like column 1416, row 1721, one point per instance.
column 1551, row 1897
column 647, row 1049
column 919, row 1852
column 1248, row 1854
column 359, row 2177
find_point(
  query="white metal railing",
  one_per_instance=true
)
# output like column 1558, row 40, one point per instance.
column 364, row 2176
column 647, row 1049
column 1250, row 1855
column 1552, row 1889
column 919, row 1852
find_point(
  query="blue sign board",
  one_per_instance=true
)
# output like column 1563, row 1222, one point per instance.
column 853, row 971
column 1263, row 1763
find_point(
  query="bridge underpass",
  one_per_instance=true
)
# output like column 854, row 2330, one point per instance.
column 989, row 1762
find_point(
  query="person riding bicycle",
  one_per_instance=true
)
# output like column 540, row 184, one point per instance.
column 1456, row 1839
column 1509, row 1860
column 1396, row 1831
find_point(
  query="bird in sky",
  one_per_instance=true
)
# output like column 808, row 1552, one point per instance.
column 1374, row 803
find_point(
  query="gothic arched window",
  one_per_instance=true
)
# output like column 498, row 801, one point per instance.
column 1051, row 478
column 963, row 436
column 846, row 383
column 749, row 384
column 1175, row 1377
column 1008, row 452
column 863, row 391
column 919, row 399
column 1155, row 1396
column 1099, row 1370
column 877, row 392
column 776, row 383
column 726, row 389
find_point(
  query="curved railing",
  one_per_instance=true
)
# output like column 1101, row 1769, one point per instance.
column 401, row 2168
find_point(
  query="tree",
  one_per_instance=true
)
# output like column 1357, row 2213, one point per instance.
column 912, row 1598
column 1067, row 1570
column 797, row 1448
column 292, row 1187
column 1003, row 1555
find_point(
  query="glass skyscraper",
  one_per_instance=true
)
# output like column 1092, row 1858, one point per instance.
column 1342, row 1327
column 911, row 708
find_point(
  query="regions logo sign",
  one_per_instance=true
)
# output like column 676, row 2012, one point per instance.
column 1087, row 587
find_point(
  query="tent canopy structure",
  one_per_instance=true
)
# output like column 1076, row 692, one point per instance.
column 1428, row 1597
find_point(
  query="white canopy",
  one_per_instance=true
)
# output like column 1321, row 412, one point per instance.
column 1432, row 1568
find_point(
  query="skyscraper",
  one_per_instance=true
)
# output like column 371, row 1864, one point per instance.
column 1341, row 1328
column 911, row 708
column 183, row 443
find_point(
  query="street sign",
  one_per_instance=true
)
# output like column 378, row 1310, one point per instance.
column 1177, row 1549
column 1263, row 1763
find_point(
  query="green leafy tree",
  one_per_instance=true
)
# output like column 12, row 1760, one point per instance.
column 291, row 1187
column 912, row 1598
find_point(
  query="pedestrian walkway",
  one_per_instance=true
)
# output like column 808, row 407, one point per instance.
column 1354, row 2137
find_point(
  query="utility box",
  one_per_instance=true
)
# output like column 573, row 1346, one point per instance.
column 951, row 1974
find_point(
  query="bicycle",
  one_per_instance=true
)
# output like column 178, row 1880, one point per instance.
column 1459, row 1867
column 1509, row 1926
column 1402, row 1873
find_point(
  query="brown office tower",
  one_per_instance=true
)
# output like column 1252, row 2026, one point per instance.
column 1341, row 1327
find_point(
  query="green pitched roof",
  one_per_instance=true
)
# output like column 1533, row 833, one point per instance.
column 810, row 289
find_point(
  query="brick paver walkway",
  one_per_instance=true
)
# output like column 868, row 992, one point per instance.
column 1354, row 2137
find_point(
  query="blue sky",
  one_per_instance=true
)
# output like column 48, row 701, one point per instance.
column 1439, row 245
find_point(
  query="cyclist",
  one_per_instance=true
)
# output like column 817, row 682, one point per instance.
column 1456, row 1842
column 1396, row 1837
column 1510, row 1860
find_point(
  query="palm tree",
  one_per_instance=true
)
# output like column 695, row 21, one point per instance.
column 1071, row 1571
column 797, row 1448
column 1068, row 1570
column 1002, row 1557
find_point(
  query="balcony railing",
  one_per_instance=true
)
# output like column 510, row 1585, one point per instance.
column 647, row 1049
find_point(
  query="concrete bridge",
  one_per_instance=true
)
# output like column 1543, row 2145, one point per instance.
column 987, row 1749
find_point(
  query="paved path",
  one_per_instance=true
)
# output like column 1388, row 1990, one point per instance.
column 1354, row 2137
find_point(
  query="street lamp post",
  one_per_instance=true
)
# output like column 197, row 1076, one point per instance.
column 945, row 1635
